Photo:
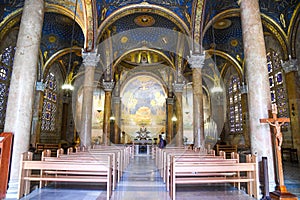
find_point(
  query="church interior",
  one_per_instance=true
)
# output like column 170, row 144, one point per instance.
column 200, row 74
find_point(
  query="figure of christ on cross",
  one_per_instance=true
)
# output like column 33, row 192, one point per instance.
column 276, row 123
column 281, row 192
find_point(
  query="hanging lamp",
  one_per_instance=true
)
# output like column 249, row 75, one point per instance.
column 68, row 82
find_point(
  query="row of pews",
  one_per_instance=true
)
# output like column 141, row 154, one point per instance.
column 186, row 166
column 103, row 164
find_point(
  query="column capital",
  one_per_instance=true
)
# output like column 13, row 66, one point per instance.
column 178, row 87
column 39, row 86
column 170, row 101
column 239, row 2
column 196, row 60
column 116, row 100
column 108, row 86
column 90, row 58
column 243, row 89
column 289, row 65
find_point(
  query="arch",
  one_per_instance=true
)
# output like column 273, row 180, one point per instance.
column 141, row 8
column 56, row 56
column 267, row 22
column 292, row 31
column 143, row 49
column 62, row 10
column 142, row 73
column 9, row 22
column 231, row 60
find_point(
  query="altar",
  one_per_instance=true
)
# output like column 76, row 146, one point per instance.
column 142, row 146
column 143, row 141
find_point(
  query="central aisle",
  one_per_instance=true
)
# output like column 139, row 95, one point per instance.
column 141, row 180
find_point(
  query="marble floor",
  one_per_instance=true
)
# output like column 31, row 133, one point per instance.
column 141, row 180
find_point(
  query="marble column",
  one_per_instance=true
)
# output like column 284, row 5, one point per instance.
column 196, row 63
column 178, row 89
column 170, row 129
column 108, row 86
column 259, row 98
column 293, row 94
column 21, row 91
column 90, row 61
column 117, row 114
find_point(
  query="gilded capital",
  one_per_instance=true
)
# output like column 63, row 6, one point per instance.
column 116, row 100
column 108, row 86
column 170, row 101
column 239, row 2
column 178, row 87
column 289, row 65
column 90, row 59
column 196, row 60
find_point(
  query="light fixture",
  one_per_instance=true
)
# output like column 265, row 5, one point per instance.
column 112, row 118
column 99, row 110
column 217, row 85
column 67, row 84
column 174, row 118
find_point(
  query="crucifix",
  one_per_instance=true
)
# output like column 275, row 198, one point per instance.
column 281, row 191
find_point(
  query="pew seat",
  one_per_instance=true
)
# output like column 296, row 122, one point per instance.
column 61, row 171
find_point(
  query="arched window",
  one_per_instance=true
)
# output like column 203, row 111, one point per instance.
column 6, row 64
column 235, row 105
column 49, row 105
column 277, row 85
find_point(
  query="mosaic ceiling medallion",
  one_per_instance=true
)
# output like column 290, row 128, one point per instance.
column 52, row 39
column 144, row 20
column 222, row 24
column 234, row 43
column 124, row 39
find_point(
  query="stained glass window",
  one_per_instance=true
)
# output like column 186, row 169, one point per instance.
column 235, row 105
column 6, row 64
column 49, row 104
column 278, row 92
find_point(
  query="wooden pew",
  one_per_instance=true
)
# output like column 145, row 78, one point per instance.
column 40, row 147
column 61, row 171
column 87, row 156
column 164, row 158
column 189, row 157
column 228, row 149
column 220, row 171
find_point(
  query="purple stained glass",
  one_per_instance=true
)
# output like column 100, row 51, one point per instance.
column 47, row 115
column 50, row 84
column 269, row 67
column 272, row 96
column 279, row 77
column 54, row 97
column 49, row 95
column 271, row 81
column 48, row 106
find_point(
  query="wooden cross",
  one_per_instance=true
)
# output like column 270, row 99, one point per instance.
column 276, row 123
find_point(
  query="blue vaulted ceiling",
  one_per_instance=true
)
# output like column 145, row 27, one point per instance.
column 228, row 39
column 183, row 8
column 57, row 33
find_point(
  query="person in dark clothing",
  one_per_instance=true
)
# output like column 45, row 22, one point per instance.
column 162, row 142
